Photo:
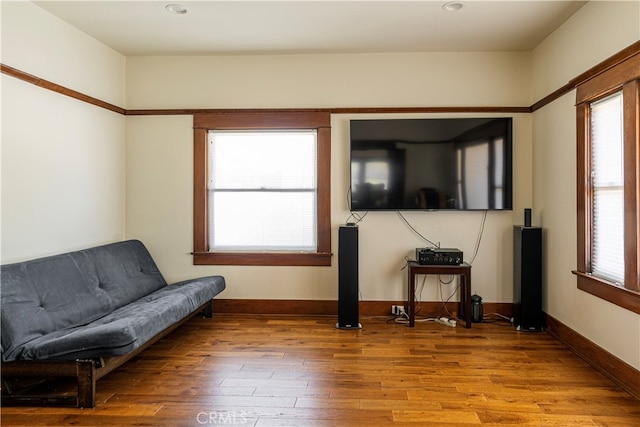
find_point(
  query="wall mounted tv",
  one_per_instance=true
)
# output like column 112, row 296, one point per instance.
column 431, row 164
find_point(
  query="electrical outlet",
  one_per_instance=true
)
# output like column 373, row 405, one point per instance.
column 397, row 310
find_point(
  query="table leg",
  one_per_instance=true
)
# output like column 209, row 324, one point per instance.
column 411, row 300
column 467, row 299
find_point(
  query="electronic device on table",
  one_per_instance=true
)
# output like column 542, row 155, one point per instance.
column 439, row 256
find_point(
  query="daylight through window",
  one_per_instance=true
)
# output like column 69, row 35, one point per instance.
column 262, row 190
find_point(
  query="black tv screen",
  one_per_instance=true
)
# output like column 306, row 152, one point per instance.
column 431, row 164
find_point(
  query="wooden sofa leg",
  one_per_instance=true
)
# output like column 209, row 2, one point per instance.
column 82, row 371
column 207, row 311
column 86, row 383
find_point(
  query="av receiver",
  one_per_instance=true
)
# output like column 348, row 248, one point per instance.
column 438, row 256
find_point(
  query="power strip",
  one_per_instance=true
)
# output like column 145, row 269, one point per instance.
column 447, row 322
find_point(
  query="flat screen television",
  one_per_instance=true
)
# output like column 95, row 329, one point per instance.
column 431, row 164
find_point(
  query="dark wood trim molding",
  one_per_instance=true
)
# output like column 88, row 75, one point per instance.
column 262, row 119
column 196, row 111
column 330, row 307
column 407, row 110
column 45, row 84
column 354, row 110
column 610, row 80
column 316, row 259
column 268, row 306
column 622, row 297
column 552, row 97
column 622, row 374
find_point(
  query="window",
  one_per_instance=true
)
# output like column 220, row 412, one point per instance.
column 608, row 177
column 261, row 188
column 607, row 210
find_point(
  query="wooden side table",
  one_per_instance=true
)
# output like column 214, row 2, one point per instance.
column 463, row 270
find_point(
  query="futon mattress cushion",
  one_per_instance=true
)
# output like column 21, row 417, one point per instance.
column 60, row 292
column 126, row 328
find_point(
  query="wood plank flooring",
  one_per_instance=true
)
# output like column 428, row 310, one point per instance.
column 301, row 371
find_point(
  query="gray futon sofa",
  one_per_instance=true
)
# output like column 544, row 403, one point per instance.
column 84, row 313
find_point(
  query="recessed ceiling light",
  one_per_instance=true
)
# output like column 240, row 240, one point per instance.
column 176, row 9
column 453, row 6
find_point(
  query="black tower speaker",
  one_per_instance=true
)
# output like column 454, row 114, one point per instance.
column 527, row 280
column 348, row 277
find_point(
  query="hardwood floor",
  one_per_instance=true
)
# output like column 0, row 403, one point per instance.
column 301, row 371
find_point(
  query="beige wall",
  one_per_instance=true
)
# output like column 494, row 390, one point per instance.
column 594, row 33
column 313, row 81
column 62, row 160
column 605, row 28
column 160, row 164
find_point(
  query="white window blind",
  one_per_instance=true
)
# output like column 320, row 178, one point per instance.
column 607, row 257
column 262, row 190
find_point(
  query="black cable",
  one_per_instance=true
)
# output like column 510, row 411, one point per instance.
column 479, row 239
column 353, row 214
column 442, row 282
column 416, row 231
column 444, row 303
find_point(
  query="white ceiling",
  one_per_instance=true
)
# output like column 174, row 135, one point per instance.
column 324, row 26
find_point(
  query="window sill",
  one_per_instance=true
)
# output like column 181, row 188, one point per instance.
column 263, row 258
column 625, row 298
